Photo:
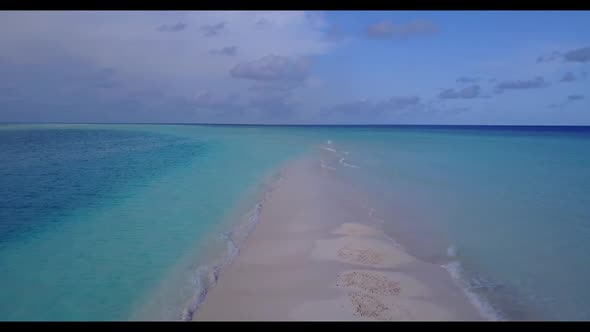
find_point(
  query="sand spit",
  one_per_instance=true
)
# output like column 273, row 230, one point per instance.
column 317, row 254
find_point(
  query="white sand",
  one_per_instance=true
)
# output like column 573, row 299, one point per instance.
column 353, row 229
column 317, row 255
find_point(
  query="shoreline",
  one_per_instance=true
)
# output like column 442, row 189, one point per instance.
column 316, row 253
column 182, row 289
column 234, row 238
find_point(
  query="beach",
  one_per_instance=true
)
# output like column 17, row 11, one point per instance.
column 317, row 253
column 179, row 222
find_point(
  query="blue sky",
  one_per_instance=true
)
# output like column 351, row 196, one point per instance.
column 441, row 67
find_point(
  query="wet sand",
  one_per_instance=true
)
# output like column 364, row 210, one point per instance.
column 317, row 254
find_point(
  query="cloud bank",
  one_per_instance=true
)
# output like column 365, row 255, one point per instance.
column 578, row 55
column 272, row 68
column 213, row 29
column 535, row 83
column 387, row 29
column 472, row 91
column 227, row 50
column 172, row 28
column 575, row 97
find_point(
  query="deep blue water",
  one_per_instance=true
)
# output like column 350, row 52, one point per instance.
column 46, row 173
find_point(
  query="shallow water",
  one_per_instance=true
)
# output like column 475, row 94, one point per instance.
column 508, row 208
column 109, row 222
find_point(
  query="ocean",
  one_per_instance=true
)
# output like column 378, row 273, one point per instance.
column 134, row 222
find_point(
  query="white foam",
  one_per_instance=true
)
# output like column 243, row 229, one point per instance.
column 328, row 149
column 323, row 165
column 207, row 276
column 484, row 308
column 452, row 251
column 349, row 165
column 344, row 163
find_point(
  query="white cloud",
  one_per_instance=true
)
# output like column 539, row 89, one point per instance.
column 131, row 43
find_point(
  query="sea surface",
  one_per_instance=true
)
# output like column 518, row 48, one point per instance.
column 134, row 222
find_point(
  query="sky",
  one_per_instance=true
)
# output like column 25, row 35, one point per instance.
column 296, row 67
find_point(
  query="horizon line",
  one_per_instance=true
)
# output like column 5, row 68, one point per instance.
column 294, row 124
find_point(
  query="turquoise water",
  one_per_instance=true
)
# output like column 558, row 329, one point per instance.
column 112, row 222
column 94, row 217
column 508, row 209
